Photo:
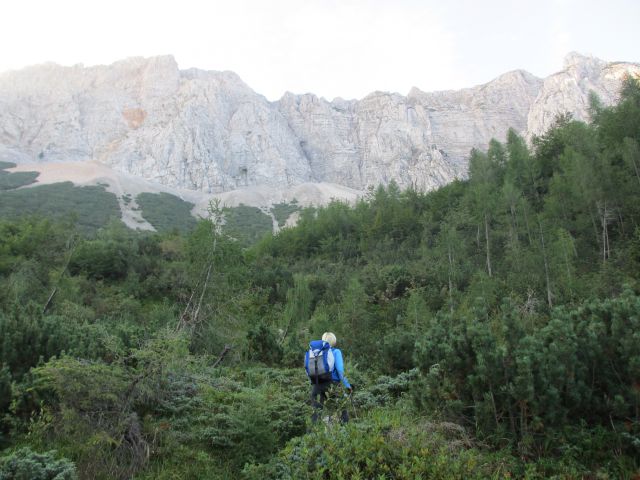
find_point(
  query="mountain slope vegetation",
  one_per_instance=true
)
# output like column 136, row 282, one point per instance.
column 491, row 329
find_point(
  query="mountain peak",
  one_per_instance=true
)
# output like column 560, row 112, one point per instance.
column 573, row 59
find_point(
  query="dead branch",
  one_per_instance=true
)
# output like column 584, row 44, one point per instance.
column 66, row 265
column 224, row 352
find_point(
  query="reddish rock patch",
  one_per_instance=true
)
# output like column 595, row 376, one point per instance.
column 134, row 116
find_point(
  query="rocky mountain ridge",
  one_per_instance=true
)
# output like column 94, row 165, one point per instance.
column 209, row 131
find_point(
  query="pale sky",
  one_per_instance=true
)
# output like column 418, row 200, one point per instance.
column 333, row 48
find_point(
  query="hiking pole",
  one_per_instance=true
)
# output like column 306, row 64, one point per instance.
column 353, row 405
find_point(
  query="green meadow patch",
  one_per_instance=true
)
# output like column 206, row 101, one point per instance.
column 92, row 206
column 10, row 181
column 166, row 212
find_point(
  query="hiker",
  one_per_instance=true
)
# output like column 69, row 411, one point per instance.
column 325, row 369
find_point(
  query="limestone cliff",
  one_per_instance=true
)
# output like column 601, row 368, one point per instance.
column 569, row 90
column 209, row 131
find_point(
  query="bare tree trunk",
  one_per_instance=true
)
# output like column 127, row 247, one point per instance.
column 523, row 418
column 486, row 236
column 46, row 305
column 569, row 276
column 604, row 221
column 595, row 227
column 450, row 279
column 635, row 166
column 514, row 225
column 607, row 248
column 526, row 222
column 604, row 234
column 183, row 318
column 632, row 148
column 64, row 269
column 546, row 264
column 286, row 332
column 186, row 309
column 495, row 410
column 204, row 289
column 512, row 420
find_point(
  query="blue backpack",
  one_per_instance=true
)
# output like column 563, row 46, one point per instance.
column 319, row 362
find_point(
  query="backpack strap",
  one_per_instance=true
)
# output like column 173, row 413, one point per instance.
column 325, row 360
column 306, row 362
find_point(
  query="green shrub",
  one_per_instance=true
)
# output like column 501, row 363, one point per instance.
column 10, row 181
column 247, row 224
column 25, row 464
column 225, row 418
column 385, row 445
column 166, row 212
column 263, row 346
column 99, row 259
column 29, row 337
column 95, row 408
column 93, row 206
column 583, row 365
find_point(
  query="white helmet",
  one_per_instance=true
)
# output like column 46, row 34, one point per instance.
column 330, row 338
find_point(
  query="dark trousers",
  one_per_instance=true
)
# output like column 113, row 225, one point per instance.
column 319, row 395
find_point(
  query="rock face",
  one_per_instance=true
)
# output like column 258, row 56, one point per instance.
column 569, row 90
column 209, row 131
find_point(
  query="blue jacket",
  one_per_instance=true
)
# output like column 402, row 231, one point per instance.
column 338, row 372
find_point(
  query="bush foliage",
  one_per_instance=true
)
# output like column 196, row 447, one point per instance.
column 490, row 328
column 166, row 212
column 25, row 464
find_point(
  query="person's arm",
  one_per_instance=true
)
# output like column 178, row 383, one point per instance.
column 339, row 364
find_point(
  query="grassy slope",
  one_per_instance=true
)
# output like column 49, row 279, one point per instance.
column 166, row 212
column 10, row 181
column 93, row 206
